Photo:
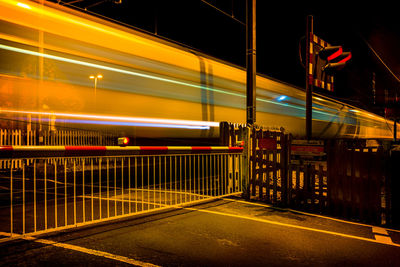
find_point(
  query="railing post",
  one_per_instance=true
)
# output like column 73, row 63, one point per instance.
column 246, row 163
column 285, row 161
column 223, row 133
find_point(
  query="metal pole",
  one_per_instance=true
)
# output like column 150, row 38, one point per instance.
column 251, row 61
column 309, row 77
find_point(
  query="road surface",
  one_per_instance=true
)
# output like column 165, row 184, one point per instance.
column 224, row 232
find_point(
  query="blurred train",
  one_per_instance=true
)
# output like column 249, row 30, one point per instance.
column 61, row 69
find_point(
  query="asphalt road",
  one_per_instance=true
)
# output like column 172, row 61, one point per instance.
column 224, row 232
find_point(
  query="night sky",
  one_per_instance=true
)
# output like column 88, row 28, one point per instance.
column 280, row 28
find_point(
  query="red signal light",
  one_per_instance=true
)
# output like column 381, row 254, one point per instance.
column 337, row 53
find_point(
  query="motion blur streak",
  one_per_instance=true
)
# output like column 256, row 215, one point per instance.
column 23, row 5
column 147, row 122
column 88, row 64
column 137, row 124
column 48, row 52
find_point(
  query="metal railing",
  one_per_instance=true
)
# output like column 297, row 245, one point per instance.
column 51, row 193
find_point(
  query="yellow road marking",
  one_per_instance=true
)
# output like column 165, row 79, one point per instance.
column 305, row 213
column 384, row 239
column 83, row 250
column 295, row 226
column 379, row 230
column 382, row 235
column 91, row 252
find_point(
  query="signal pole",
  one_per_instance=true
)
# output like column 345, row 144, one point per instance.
column 251, row 62
column 309, row 76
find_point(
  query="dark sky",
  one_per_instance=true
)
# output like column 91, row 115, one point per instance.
column 280, row 27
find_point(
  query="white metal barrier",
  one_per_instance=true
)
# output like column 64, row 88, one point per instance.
column 47, row 194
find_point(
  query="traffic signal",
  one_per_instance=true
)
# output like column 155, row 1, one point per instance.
column 333, row 58
column 325, row 60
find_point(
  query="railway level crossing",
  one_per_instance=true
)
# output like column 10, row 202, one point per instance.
column 59, row 187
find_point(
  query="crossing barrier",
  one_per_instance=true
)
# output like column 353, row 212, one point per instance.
column 61, row 187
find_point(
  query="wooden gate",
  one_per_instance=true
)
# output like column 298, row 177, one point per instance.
column 350, row 182
column 268, row 165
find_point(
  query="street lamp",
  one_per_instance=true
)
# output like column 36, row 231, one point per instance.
column 93, row 77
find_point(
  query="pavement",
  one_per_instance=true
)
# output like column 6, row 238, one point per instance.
column 221, row 232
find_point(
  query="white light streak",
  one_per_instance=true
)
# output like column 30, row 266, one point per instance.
column 118, row 118
column 23, row 5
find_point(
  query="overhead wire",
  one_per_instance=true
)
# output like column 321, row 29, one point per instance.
column 387, row 68
column 379, row 58
column 95, row 4
column 70, row 3
column 223, row 12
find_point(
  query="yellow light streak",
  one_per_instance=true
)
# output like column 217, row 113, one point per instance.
column 85, row 28
column 117, row 118
column 113, row 69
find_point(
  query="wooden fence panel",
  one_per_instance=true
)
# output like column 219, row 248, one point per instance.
column 352, row 183
column 356, row 184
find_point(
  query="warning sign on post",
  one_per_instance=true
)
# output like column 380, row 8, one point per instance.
column 307, row 151
column 267, row 143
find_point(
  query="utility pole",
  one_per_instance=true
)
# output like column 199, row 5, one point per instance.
column 250, row 92
column 251, row 61
column 309, row 76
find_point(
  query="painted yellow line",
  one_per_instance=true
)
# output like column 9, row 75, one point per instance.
column 294, row 226
column 297, row 211
column 382, row 235
column 91, row 252
column 379, row 230
column 305, row 213
column 384, row 239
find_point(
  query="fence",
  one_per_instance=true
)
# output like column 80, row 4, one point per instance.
column 20, row 137
column 56, row 192
column 359, row 182
column 59, row 187
column 308, row 187
column 268, row 160
column 350, row 181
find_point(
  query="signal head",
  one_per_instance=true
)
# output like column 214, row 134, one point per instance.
column 329, row 53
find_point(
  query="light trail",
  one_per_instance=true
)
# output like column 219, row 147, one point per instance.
column 23, row 5
column 142, row 75
column 113, row 69
column 116, row 120
column 126, row 123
